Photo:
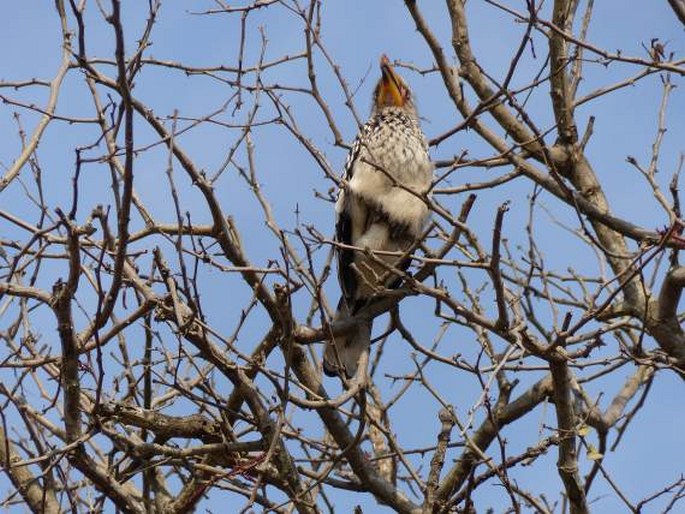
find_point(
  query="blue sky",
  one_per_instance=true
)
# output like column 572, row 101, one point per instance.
column 356, row 33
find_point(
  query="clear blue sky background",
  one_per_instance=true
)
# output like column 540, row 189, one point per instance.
column 356, row 33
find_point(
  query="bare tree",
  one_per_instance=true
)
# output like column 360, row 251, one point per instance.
column 165, row 274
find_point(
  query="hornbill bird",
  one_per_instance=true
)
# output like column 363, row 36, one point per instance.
column 381, row 206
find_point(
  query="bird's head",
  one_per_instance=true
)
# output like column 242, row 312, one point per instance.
column 391, row 90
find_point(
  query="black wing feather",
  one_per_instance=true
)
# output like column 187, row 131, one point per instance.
column 343, row 233
column 346, row 276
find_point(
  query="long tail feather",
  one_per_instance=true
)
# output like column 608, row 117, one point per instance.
column 342, row 353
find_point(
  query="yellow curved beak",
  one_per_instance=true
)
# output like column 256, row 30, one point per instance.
column 390, row 92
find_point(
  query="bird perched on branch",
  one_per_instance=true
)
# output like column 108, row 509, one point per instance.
column 381, row 207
